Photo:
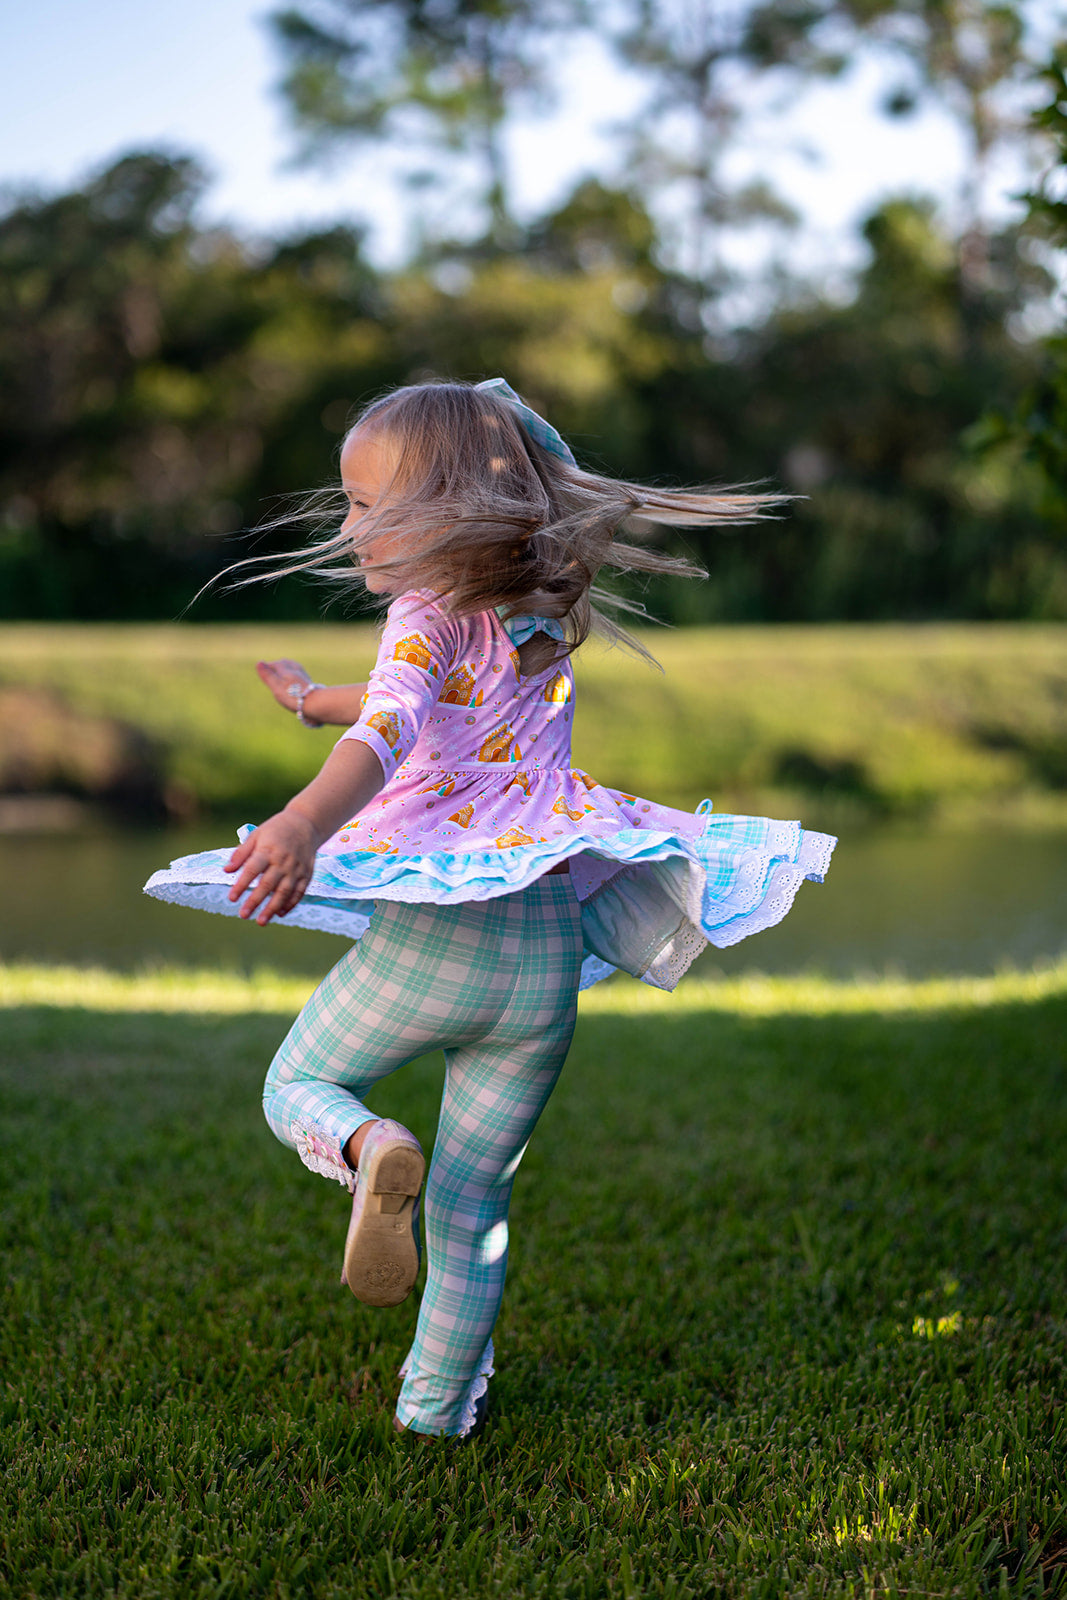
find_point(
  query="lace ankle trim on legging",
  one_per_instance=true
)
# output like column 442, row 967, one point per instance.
column 320, row 1151
column 478, row 1386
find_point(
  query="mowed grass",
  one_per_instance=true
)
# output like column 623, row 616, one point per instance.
column 785, row 1313
column 893, row 721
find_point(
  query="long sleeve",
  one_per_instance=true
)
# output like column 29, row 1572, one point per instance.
column 420, row 645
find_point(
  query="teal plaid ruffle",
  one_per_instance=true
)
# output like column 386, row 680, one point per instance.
column 650, row 899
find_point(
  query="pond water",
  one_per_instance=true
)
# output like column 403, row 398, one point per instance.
column 916, row 903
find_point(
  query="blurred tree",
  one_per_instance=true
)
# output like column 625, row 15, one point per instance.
column 597, row 227
column 161, row 382
column 421, row 73
column 863, row 408
column 1039, row 424
column 694, row 54
column 579, row 314
column 144, row 363
column 700, row 56
column 971, row 56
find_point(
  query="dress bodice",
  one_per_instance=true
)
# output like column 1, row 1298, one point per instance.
column 446, row 693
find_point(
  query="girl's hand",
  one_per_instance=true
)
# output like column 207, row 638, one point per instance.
column 278, row 675
column 275, row 865
column 275, row 862
column 340, row 703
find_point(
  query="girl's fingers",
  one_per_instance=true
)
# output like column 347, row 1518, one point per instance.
column 242, row 883
column 271, row 909
column 240, row 855
column 286, row 895
column 257, row 894
column 254, row 868
column 278, row 675
column 274, row 676
column 275, row 891
column 269, row 887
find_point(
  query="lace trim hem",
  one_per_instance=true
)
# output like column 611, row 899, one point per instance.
column 320, row 1151
column 350, row 922
column 718, row 900
column 782, row 888
column 478, row 1386
column 675, row 959
column 814, row 855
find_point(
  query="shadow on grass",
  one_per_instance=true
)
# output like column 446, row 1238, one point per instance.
column 786, row 1304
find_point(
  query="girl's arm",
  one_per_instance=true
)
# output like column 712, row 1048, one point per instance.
column 420, row 644
column 276, row 862
column 334, row 703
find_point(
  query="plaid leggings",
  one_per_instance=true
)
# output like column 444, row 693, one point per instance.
column 495, row 984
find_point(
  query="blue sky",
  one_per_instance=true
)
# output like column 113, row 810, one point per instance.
column 81, row 82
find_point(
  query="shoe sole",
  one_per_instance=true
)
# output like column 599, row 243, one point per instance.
column 381, row 1257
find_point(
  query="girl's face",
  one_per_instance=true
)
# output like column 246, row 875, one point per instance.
column 367, row 466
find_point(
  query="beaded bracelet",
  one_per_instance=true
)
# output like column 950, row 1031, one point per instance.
column 300, row 692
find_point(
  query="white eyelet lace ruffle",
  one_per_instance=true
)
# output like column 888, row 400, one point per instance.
column 479, row 1384
column 320, row 1151
column 650, row 900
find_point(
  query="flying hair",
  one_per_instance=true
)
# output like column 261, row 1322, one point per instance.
column 478, row 513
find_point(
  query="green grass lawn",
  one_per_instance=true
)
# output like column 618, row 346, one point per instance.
column 786, row 1309
column 892, row 721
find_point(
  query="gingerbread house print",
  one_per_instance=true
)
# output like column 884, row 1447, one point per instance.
column 513, row 838
column 500, row 746
column 562, row 809
column 458, row 688
column 442, row 785
column 387, row 723
column 557, row 690
column 415, row 650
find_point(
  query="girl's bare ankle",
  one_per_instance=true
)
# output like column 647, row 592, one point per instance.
column 355, row 1144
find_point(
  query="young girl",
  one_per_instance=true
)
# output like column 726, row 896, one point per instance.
column 483, row 878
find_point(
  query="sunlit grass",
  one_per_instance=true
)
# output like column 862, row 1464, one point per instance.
column 159, row 989
column 786, row 1310
column 183, row 989
column 947, row 721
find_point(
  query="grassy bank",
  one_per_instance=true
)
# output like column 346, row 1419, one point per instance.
column 791, row 1324
column 942, row 722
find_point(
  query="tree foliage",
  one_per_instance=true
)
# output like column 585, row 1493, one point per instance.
column 155, row 382
column 426, row 72
column 164, row 383
column 970, row 56
column 1039, row 423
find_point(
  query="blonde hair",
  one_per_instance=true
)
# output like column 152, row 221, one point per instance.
column 483, row 516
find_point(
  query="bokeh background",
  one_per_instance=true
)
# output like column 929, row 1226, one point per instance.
column 794, row 1322
column 815, row 246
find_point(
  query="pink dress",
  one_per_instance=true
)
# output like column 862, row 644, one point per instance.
column 481, row 798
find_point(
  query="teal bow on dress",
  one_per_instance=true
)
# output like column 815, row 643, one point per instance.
column 519, row 629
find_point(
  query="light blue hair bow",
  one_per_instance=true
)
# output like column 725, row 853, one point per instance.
column 519, row 629
column 535, row 426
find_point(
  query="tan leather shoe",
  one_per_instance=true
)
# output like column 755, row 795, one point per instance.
column 381, row 1250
